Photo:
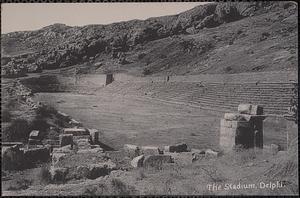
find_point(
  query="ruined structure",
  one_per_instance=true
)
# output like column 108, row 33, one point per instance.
column 244, row 128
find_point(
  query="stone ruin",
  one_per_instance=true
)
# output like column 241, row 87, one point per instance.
column 244, row 128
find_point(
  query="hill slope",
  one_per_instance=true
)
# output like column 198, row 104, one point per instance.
column 212, row 38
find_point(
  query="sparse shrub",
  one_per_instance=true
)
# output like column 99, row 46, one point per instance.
column 214, row 174
column 39, row 124
column 21, row 184
column 18, row 130
column 45, row 111
column 12, row 103
column 120, row 188
column 100, row 189
column 141, row 174
column 141, row 55
column 146, row 71
column 90, row 191
column 162, row 56
column 228, row 69
column 5, row 116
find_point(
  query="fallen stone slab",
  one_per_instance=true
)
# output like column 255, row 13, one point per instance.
column 137, row 161
column 131, row 150
column 182, row 147
column 151, row 150
column 157, row 160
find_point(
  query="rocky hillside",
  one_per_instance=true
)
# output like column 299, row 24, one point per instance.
column 228, row 37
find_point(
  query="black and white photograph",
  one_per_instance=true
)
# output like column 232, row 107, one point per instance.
column 149, row 98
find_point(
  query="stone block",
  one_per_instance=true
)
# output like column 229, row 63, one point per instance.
column 131, row 151
column 94, row 133
column 250, row 109
column 151, row 150
column 181, row 147
column 65, row 139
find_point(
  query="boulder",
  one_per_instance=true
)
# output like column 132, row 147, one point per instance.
column 151, row 150
column 65, row 139
column 182, row 147
column 131, row 151
column 157, row 160
column 137, row 161
column 211, row 154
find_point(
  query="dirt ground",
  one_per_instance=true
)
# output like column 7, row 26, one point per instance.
column 125, row 119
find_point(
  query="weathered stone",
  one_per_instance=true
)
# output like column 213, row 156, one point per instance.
column 151, row 150
column 157, row 160
column 94, row 133
column 101, row 169
column 211, row 154
column 94, row 150
column 237, row 117
column 65, row 139
column 137, row 161
column 250, row 109
column 131, row 151
column 76, row 131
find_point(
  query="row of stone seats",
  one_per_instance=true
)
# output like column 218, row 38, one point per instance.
column 275, row 97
